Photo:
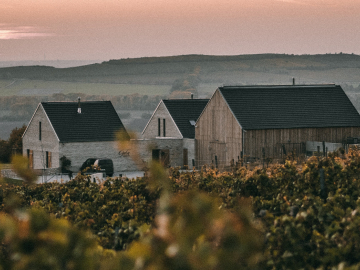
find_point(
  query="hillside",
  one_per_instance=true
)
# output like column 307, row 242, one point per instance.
column 139, row 83
column 241, row 69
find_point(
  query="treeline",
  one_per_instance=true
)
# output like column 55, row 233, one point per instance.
column 11, row 146
column 15, row 108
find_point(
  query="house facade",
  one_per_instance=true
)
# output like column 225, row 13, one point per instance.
column 169, row 136
column 75, row 130
column 258, row 122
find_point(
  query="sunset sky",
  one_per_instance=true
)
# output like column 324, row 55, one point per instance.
column 114, row 29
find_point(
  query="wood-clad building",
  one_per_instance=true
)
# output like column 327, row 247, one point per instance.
column 270, row 121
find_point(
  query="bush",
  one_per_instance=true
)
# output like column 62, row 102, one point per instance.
column 202, row 219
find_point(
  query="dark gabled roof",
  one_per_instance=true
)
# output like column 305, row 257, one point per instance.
column 183, row 111
column 98, row 121
column 294, row 106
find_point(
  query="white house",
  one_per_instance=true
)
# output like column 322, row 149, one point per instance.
column 169, row 136
column 75, row 130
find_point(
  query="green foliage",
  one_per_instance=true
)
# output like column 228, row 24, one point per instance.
column 65, row 163
column 11, row 146
column 202, row 219
column 32, row 240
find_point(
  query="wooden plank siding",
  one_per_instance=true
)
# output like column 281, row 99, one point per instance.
column 255, row 140
column 218, row 134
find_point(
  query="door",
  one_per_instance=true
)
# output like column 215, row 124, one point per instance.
column 185, row 158
column 218, row 154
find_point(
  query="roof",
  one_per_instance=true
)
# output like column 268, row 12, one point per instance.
column 290, row 106
column 183, row 111
column 98, row 121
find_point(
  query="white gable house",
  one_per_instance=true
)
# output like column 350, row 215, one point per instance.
column 169, row 136
column 75, row 130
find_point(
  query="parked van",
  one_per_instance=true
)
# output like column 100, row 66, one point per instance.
column 105, row 164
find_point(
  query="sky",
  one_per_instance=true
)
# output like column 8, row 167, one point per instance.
column 114, row 29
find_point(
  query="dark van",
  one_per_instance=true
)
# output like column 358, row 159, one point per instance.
column 105, row 164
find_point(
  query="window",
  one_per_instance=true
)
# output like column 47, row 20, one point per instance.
column 185, row 158
column 39, row 131
column 159, row 128
column 48, row 159
column 164, row 128
column 31, row 159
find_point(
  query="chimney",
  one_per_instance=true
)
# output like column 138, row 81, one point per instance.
column 192, row 96
column 293, row 81
column 79, row 108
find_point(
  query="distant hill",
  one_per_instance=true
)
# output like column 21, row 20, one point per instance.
column 241, row 69
column 52, row 63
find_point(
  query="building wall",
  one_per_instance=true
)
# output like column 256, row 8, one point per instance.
column 189, row 144
column 219, row 137
column 271, row 139
column 79, row 152
column 49, row 141
column 151, row 131
column 175, row 147
column 218, row 134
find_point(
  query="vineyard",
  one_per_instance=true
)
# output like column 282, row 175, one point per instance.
column 286, row 216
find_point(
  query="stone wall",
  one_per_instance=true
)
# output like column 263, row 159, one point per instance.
column 175, row 147
column 189, row 144
column 79, row 152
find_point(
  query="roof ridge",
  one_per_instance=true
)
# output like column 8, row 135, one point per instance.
column 280, row 86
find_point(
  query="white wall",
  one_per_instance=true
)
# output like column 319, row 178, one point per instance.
column 189, row 144
column 79, row 152
column 49, row 141
column 151, row 130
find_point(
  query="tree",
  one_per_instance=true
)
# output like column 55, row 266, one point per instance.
column 4, row 152
column 15, row 140
column 13, row 145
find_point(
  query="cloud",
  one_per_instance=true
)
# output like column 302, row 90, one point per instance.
column 21, row 32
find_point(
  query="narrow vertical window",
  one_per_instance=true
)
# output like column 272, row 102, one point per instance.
column 164, row 126
column 48, row 159
column 31, row 159
column 28, row 156
column 39, row 131
column 159, row 128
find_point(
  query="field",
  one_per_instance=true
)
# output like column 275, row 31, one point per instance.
column 25, row 87
column 156, row 75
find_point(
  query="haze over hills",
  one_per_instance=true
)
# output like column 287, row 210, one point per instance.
column 139, row 83
column 52, row 63
column 241, row 69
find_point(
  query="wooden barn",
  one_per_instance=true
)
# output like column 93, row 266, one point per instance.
column 258, row 122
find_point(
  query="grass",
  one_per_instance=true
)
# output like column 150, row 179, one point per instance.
column 46, row 88
column 11, row 181
column 7, row 180
column 5, row 166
